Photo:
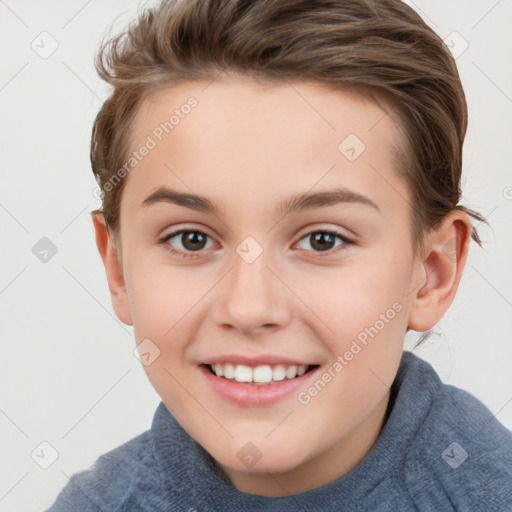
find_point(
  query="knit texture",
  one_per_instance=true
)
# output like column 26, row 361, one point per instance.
column 441, row 449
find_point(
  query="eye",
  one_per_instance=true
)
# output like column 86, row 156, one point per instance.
column 191, row 240
column 324, row 240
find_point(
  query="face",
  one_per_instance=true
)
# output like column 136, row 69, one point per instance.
column 296, row 266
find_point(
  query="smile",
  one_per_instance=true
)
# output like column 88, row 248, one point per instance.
column 260, row 375
column 257, row 386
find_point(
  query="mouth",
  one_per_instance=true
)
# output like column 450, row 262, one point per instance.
column 261, row 375
column 257, row 386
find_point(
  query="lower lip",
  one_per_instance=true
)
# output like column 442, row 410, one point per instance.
column 253, row 395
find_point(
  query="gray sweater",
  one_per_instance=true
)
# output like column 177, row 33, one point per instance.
column 441, row 449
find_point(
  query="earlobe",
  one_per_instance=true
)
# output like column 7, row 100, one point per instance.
column 440, row 271
column 113, row 269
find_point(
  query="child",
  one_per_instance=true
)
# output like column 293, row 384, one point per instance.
column 312, row 151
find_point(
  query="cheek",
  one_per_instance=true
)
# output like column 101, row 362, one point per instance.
column 163, row 306
column 167, row 308
column 364, row 309
column 349, row 300
column 366, row 316
column 161, row 295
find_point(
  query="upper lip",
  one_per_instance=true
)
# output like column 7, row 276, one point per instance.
column 255, row 360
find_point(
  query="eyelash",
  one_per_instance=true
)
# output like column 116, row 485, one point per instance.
column 166, row 238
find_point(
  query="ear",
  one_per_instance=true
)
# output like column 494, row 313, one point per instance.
column 440, row 270
column 113, row 268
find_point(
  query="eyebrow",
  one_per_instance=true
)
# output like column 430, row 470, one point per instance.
column 300, row 202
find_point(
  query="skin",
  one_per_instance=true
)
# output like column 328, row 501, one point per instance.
column 247, row 146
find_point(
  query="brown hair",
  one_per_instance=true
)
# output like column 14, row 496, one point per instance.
column 378, row 48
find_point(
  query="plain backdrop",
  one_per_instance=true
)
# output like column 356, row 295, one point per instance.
column 69, row 376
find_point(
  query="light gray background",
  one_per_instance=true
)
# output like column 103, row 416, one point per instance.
column 69, row 376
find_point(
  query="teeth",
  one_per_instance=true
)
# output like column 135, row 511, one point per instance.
column 301, row 370
column 279, row 372
column 243, row 373
column 229, row 371
column 263, row 374
column 218, row 369
column 291, row 372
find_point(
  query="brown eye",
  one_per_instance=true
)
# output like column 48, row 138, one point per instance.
column 324, row 241
column 191, row 241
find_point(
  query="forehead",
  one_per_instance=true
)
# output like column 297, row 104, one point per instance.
column 237, row 99
column 257, row 138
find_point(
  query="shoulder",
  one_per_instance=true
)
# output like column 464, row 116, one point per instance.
column 112, row 479
column 461, row 455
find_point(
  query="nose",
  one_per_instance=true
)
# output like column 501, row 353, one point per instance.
column 252, row 298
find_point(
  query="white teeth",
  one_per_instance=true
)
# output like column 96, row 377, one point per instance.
column 229, row 371
column 263, row 374
column 279, row 372
column 291, row 372
column 218, row 369
column 243, row 373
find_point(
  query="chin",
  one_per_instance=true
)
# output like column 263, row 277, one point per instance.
column 253, row 458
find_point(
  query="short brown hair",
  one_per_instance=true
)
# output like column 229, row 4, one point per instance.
column 380, row 48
